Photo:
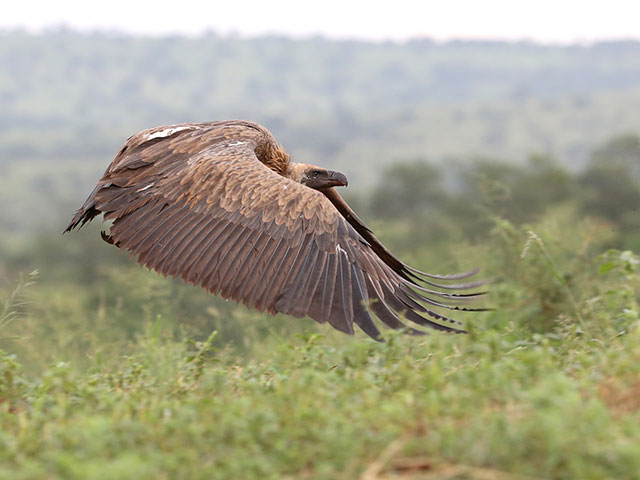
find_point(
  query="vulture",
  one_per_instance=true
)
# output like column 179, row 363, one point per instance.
column 221, row 205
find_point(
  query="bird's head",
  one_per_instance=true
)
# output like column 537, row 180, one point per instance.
column 316, row 177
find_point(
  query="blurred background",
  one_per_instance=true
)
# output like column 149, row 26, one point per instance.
column 461, row 129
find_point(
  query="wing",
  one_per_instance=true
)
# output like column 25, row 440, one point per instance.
column 194, row 201
column 408, row 273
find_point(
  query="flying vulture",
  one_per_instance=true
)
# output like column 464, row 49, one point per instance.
column 221, row 205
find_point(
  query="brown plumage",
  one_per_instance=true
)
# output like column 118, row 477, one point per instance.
column 221, row 205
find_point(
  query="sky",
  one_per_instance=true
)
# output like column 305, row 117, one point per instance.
column 546, row 21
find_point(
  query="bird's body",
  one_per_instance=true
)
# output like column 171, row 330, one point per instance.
column 222, row 205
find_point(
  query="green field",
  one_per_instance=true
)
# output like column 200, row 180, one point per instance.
column 545, row 386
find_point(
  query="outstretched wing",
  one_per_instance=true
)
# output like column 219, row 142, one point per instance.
column 194, row 201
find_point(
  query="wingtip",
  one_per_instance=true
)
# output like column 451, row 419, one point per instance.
column 72, row 225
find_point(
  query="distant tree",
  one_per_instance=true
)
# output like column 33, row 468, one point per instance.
column 622, row 151
column 516, row 192
column 486, row 187
column 611, row 181
column 409, row 189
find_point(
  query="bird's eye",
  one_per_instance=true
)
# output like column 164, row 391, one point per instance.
column 315, row 174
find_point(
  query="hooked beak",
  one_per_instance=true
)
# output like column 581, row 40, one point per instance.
column 337, row 179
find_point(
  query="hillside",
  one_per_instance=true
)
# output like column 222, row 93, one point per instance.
column 68, row 101
column 83, row 94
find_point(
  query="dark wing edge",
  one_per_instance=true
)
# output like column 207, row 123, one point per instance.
column 408, row 273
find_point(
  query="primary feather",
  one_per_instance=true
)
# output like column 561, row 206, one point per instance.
column 222, row 205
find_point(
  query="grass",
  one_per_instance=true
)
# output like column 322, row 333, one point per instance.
column 546, row 386
column 311, row 408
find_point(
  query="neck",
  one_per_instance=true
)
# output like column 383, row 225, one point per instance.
column 274, row 157
column 295, row 171
column 279, row 160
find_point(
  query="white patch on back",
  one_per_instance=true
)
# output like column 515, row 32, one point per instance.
column 166, row 132
column 339, row 249
column 233, row 144
column 144, row 188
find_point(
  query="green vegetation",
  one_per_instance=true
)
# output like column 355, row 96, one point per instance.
column 110, row 371
column 545, row 386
